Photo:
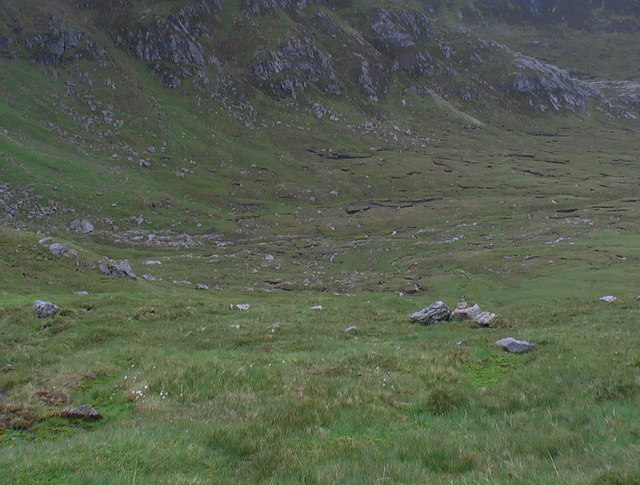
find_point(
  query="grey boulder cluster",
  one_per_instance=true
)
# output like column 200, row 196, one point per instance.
column 120, row 269
column 439, row 312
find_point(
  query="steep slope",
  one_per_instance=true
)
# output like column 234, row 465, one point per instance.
column 145, row 95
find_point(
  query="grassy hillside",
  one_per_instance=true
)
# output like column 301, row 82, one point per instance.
column 371, row 204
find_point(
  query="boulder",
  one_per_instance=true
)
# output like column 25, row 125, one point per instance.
column 81, row 225
column 464, row 311
column 45, row 309
column 84, row 412
column 515, row 346
column 62, row 251
column 120, row 269
column 436, row 312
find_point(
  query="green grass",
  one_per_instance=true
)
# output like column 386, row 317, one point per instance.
column 194, row 392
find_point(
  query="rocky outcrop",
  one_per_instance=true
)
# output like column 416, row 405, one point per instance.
column 546, row 86
column 402, row 35
column 171, row 45
column 293, row 66
column 50, row 47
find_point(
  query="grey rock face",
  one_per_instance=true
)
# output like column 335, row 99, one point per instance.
column 546, row 85
column 400, row 34
column 50, row 47
column 293, row 66
column 45, row 309
column 515, row 346
column 434, row 313
column 81, row 225
column 120, row 270
column 171, row 45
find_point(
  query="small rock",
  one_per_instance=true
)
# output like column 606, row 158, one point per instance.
column 151, row 149
column 153, row 261
column 462, row 343
column 202, row 286
column 149, row 277
column 515, row 346
column 637, row 298
column 269, row 257
column 3, row 396
column 45, row 241
column 351, row 330
column 144, row 163
column 608, row 298
column 45, row 309
column 81, row 292
column 81, row 225
column 436, row 312
column 317, row 308
column 84, row 412
column 240, row 306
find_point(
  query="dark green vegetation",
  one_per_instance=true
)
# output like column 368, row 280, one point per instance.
column 422, row 185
